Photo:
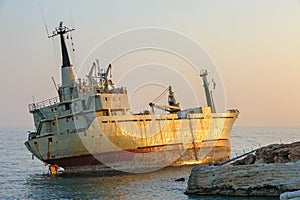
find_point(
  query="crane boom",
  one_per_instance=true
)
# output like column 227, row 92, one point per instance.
column 173, row 106
column 107, row 82
column 171, row 109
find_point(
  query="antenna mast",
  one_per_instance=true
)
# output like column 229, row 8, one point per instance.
column 61, row 30
column 67, row 75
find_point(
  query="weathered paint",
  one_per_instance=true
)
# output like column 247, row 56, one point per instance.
column 201, row 138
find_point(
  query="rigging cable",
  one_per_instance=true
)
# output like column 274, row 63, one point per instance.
column 44, row 19
column 47, row 31
column 160, row 96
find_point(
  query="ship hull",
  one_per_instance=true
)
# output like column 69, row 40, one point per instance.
column 139, row 143
column 123, row 162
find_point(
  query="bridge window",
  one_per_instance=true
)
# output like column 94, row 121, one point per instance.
column 67, row 106
column 83, row 104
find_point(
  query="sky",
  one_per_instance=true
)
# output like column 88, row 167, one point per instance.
column 254, row 45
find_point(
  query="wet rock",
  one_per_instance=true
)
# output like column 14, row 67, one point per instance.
column 245, row 180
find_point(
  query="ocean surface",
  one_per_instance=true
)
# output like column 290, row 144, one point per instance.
column 24, row 178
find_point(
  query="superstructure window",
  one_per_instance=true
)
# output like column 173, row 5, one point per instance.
column 67, row 106
column 83, row 104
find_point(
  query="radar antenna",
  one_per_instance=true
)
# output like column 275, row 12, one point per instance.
column 61, row 30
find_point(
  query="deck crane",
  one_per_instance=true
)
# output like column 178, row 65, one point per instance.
column 173, row 106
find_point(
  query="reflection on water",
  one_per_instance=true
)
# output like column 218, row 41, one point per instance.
column 22, row 178
column 160, row 184
column 154, row 185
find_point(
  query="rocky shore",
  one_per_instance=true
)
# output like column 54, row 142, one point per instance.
column 279, row 153
column 272, row 170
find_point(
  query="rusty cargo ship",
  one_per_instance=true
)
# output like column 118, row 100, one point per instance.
column 88, row 127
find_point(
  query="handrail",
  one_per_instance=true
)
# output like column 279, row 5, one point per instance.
column 240, row 156
column 34, row 106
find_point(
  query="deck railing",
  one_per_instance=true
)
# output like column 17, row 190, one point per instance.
column 42, row 104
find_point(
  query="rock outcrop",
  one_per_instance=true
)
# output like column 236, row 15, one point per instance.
column 245, row 180
column 279, row 153
column 273, row 170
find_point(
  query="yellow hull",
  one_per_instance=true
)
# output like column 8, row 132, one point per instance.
column 130, row 143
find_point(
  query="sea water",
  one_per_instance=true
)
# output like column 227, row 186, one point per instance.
column 24, row 178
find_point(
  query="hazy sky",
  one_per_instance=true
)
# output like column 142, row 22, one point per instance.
column 254, row 43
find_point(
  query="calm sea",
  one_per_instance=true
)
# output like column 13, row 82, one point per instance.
column 24, row 178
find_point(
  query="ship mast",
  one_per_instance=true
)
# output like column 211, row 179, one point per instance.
column 208, row 94
column 67, row 74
